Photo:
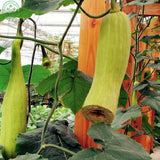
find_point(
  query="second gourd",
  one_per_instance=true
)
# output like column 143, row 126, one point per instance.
column 111, row 63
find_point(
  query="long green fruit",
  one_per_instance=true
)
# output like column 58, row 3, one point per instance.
column 14, row 107
column 111, row 63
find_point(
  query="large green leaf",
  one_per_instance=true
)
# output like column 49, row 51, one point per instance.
column 67, row 2
column 48, row 83
column 77, row 82
column 41, row 6
column 37, row 7
column 20, row 13
column 124, row 115
column 30, row 157
column 77, row 95
column 38, row 73
column 115, row 146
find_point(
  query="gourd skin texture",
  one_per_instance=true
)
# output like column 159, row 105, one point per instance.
column 111, row 63
column 14, row 107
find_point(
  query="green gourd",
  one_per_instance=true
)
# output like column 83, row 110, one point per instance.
column 14, row 106
column 112, row 58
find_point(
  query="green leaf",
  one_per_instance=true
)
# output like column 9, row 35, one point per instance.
column 154, row 66
column 4, row 78
column 20, row 13
column 140, row 86
column 116, row 146
column 30, row 157
column 6, row 66
column 148, row 92
column 153, row 102
column 148, row 129
column 75, row 99
column 145, row 52
column 132, row 14
column 123, row 97
column 37, row 7
column 157, row 28
column 125, row 115
column 4, row 74
column 5, row 45
column 146, row 39
column 38, row 74
column 126, row 77
column 77, row 82
column 66, row 3
column 41, row 6
column 48, row 83
column 154, row 84
column 144, row 57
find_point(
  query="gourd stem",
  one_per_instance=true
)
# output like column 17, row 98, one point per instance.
column 114, row 7
column 19, row 28
column 113, row 4
column 15, row 56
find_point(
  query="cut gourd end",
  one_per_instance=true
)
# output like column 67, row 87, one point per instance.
column 95, row 114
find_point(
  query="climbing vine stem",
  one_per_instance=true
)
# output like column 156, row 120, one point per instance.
column 56, row 97
column 30, row 39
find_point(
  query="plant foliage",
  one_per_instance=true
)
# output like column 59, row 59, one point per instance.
column 115, row 146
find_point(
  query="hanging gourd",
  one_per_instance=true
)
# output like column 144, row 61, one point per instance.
column 111, row 63
column 14, row 106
